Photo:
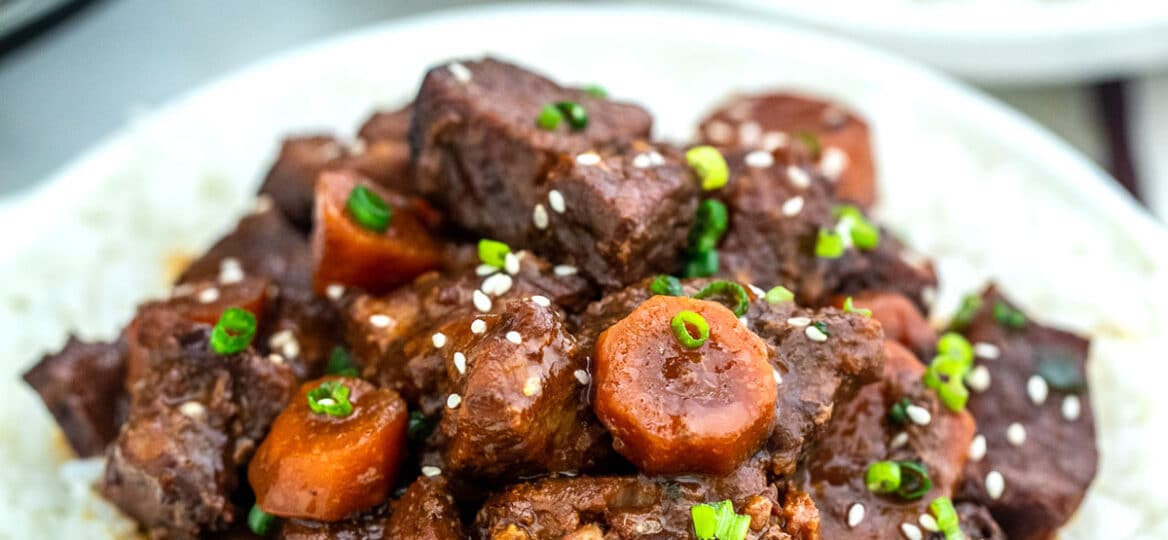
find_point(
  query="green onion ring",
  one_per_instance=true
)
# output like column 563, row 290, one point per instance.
column 331, row 398
column 914, row 480
column 681, row 323
column 728, row 288
column 368, row 209
column 234, row 331
column 666, row 286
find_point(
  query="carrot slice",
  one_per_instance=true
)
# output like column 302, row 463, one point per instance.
column 673, row 409
column 318, row 466
column 345, row 253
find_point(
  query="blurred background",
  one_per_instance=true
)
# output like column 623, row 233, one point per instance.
column 73, row 71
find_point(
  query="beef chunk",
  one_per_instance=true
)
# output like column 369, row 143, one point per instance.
column 860, row 433
column 821, row 375
column 901, row 320
column 369, row 525
column 479, row 155
column 425, row 512
column 82, row 386
column 634, row 506
column 776, row 214
column 1046, row 476
column 388, row 125
column 303, row 329
column 194, row 418
column 519, row 406
column 262, row 244
column 843, row 151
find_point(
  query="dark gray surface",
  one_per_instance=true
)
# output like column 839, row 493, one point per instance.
column 82, row 80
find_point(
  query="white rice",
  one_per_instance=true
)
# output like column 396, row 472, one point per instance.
column 182, row 179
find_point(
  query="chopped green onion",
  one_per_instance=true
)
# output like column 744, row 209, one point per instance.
column 727, row 288
column 914, row 480
column 331, row 398
column 969, row 307
column 419, row 427
column 705, row 520
column 954, row 395
column 1061, row 374
column 708, row 163
column 779, row 294
column 681, row 323
column 898, row 412
column 595, row 90
column 734, row 527
column 1008, row 316
column 883, row 477
column 260, row 522
column 829, row 244
column 947, row 520
column 710, row 225
column 849, row 308
column 718, row 521
column 810, row 140
column 703, row 264
column 666, row 286
column 493, row 252
column 946, row 375
column 549, row 118
column 340, row 363
column 234, row 331
column 575, row 114
column 865, row 235
column 955, row 345
column 368, row 209
column 821, row 326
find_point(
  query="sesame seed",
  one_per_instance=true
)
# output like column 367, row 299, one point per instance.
column 759, row 159
column 430, row 472
column 327, row 402
column 588, row 159
column 285, row 341
column 209, row 295
column 230, row 271
column 977, row 447
column 1037, row 389
column 833, row 162
column 792, row 206
column 1016, row 434
column 511, row 263
column 798, row 177
column 379, row 320
column 453, row 401
column 719, row 132
column 978, row 379
column 439, row 340
column 855, row 514
column 758, row 291
column 192, row 409
column 334, row 291
column 995, row 484
column 1071, row 408
column 799, row 321
column 541, row 301
column 497, row 284
column 514, row 337
column 910, row 531
column 773, row 140
column 919, row 415
column 642, row 161
column 778, row 376
column 532, row 386
column 485, row 270
column 460, row 362
column 478, row 326
column 989, row 351
column 582, row 376
column 929, row 295
column 743, row 321
column 928, row 523
column 460, row 72
column 539, row 217
column 656, row 159
column 899, row 440
column 815, row 334
column 564, row 270
column 556, row 201
column 481, row 301
column 748, row 133
column 263, row 203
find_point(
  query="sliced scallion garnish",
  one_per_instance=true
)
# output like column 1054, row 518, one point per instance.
column 331, row 398
column 340, row 363
column 729, row 289
column 493, row 252
column 574, row 113
column 1008, row 316
column 681, row 324
column 260, row 522
column 549, row 118
column 829, row 244
column 368, row 209
column 666, row 286
column 779, row 294
column 234, row 331
column 849, row 308
column 707, row 162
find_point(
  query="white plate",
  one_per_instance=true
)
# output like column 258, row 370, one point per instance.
column 964, row 179
column 1002, row 41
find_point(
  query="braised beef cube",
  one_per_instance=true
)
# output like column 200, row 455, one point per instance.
column 479, row 154
column 292, row 179
column 977, row 523
column 195, row 418
column 630, row 506
column 388, row 125
column 369, row 525
column 860, row 433
column 901, row 319
column 1037, row 398
column 82, row 386
column 839, row 137
column 262, row 244
column 304, row 330
column 776, row 217
column 425, row 512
